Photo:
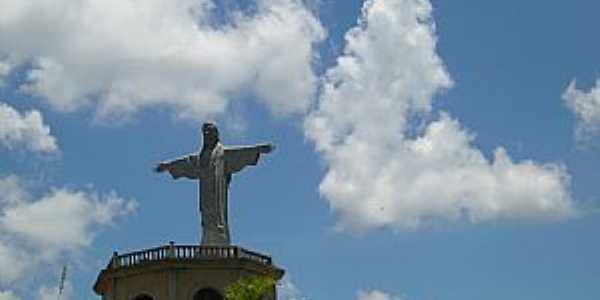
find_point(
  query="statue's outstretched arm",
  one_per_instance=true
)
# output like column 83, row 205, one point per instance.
column 186, row 166
column 236, row 158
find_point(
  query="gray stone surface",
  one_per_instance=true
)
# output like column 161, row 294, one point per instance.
column 213, row 166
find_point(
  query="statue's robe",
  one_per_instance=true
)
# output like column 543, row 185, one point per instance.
column 213, row 168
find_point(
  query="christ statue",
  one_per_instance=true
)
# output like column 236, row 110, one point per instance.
column 213, row 167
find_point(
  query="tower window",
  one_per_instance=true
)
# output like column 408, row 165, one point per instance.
column 208, row 294
column 143, row 297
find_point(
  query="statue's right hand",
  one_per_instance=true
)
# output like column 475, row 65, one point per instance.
column 161, row 167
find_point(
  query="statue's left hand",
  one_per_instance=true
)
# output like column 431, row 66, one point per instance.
column 267, row 148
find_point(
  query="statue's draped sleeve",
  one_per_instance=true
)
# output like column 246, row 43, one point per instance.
column 236, row 158
column 186, row 166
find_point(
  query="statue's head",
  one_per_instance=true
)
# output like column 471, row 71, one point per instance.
column 210, row 134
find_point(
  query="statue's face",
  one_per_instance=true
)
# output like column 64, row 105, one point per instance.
column 210, row 134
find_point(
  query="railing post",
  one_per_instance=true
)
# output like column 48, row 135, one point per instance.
column 114, row 261
column 171, row 249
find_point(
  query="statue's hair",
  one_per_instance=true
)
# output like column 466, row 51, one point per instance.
column 211, row 126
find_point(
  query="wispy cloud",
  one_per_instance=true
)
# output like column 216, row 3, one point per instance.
column 287, row 289
column 375, row 295
column 586, row 107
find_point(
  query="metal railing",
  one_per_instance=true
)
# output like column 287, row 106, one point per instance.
column 185, row 252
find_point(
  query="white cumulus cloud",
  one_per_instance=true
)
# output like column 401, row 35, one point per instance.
column 5, row 69
column 63, row 218
column 586, row 107
column 8, row 295
column 13, row 264
column 124, row 54
column 50, row 293
column 381, row 171
column 62, row 221
column 25, row 130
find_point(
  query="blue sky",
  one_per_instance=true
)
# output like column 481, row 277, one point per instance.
column 440, row 150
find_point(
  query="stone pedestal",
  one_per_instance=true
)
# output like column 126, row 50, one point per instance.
column 177, row 272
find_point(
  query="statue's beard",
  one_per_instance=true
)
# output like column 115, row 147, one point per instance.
column 210, row 143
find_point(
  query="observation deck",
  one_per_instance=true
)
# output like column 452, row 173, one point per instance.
column 167, row 271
